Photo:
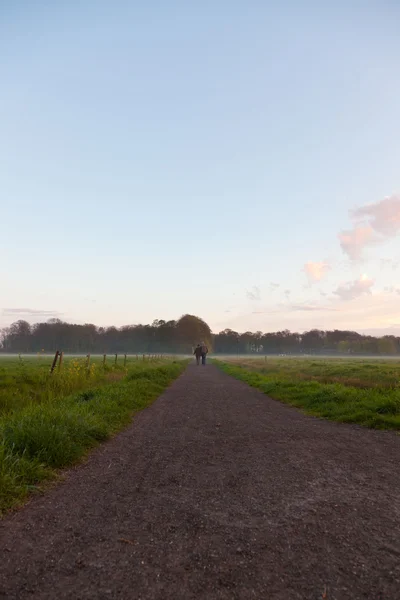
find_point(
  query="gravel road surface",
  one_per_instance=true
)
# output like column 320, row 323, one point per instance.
column 216, row 492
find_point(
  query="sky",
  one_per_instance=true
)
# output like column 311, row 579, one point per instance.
column 237, row 161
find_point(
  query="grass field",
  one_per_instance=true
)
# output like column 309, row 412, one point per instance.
column 360, row 391
column 48, row 421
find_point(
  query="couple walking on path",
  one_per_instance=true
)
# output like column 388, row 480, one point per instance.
column 201, row 351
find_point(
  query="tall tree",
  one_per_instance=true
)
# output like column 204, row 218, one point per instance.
column 192, row 330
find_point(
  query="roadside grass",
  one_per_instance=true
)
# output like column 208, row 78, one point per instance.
column 326, row 390
column 27, row 380
column 359, row 372
column 52, row 431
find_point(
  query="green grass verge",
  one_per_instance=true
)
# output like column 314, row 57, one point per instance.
column 42, row 437
column 371, row 407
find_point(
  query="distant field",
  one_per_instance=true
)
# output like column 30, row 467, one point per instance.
column 48, row 421
column 363, row 391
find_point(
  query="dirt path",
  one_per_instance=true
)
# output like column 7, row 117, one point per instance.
column 216, row 491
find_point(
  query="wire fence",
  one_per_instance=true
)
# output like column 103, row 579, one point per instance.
column 105, row 359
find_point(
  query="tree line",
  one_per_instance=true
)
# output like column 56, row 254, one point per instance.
column 159, row 337
column 314, row 341
column 181, row 336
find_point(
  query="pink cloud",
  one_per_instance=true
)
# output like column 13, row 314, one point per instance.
column 316, row 271
column 354, row 289
column 374, row 223
column 382, row 216
column 353, row 241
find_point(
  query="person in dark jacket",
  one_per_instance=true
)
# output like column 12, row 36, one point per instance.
column 204, row 352
column 197, row 352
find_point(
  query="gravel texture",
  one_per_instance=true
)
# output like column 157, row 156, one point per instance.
column 216, row 491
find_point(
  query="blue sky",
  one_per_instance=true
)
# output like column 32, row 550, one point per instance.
column 169, row 158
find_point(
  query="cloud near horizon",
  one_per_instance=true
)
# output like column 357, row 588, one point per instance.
column 312, row 308
column 30, row 312
column 283, row 308
column 378, row 310
column 354, row 289
column 374, row 224
column 316, row 271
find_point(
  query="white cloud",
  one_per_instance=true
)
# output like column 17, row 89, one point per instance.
column 316, row 271
column 354, row 289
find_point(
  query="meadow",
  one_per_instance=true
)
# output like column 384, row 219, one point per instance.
column 50, row 420
column 361, row 391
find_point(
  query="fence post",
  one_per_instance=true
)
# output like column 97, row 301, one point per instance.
column 104, row 359
column 143, row 357
column 124, row 360
column 60, row 361
column 54, row 361
column 116, row 358
column 88, row 362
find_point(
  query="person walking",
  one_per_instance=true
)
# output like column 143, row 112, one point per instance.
column 204, row 352
column 198, row 353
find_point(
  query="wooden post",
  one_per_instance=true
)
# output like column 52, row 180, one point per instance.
column 124, row 360
column 143, row 356
column 88, row 361
column 116, row 358
column 54, row 361
column 104, row 359
column 60, row 361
